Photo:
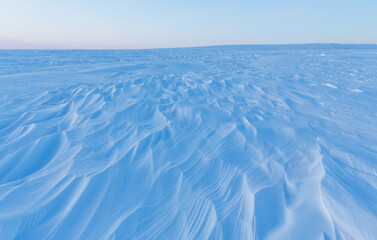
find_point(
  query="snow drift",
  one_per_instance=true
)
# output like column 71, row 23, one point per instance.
column 237, row 142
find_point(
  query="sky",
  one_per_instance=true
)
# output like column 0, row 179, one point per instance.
column 126, row 24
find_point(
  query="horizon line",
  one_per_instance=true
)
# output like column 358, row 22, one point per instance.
column 199, row 46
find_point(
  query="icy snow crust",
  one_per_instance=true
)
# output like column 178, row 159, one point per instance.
column 236, row 142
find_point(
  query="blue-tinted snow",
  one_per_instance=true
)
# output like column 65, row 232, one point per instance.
column 237, row 142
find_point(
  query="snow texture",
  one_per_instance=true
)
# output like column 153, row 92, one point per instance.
column 232, row 142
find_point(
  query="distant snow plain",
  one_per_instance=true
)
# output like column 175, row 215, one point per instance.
column 228, row 142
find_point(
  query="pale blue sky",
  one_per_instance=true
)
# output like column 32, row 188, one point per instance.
column 168, row 23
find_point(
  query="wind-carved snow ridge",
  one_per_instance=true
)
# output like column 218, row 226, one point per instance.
column 238, row 142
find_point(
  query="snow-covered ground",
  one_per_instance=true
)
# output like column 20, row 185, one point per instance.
column 236, row 142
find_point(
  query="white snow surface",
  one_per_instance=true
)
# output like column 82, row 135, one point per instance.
column 229, row 142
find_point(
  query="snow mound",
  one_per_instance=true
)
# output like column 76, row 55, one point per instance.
column 236, row 142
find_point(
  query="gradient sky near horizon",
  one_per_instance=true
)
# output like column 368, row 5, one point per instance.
column 114, row 24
